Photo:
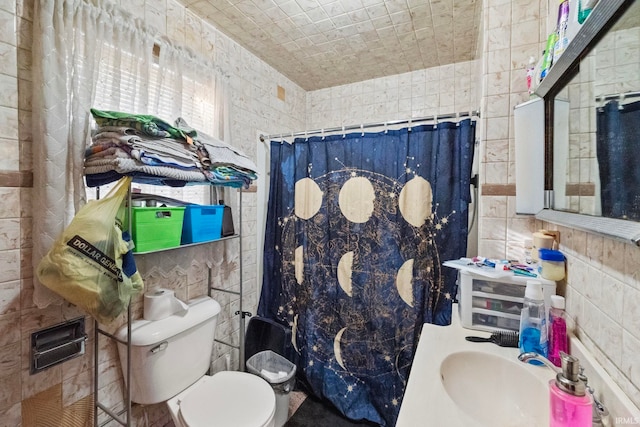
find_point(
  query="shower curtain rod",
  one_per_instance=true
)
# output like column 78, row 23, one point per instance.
column 435, row 117
column 617, row 96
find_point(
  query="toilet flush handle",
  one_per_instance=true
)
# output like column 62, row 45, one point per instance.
column 162, row 346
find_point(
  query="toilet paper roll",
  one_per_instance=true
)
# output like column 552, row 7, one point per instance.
column 162, row 303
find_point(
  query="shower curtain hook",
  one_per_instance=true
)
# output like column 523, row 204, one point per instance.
column 620, row 101
column 306, row 137
column 435, row 121
column 322, row 133
column 409, row 125
column 344, row 135
column 362, row 128
column 386, row 128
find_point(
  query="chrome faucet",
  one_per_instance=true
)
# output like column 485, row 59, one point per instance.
column 600, row 415
column 532, row 355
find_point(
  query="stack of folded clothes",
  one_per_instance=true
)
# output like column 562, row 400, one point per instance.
column 156, row 152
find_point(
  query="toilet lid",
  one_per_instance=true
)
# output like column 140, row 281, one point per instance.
column 229, row 399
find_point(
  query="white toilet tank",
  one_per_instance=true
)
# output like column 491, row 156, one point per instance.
column 169, row 355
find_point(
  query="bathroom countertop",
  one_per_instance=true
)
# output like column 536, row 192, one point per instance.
column 622, row 410
column 426, row 401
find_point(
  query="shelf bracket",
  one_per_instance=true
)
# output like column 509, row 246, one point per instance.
column 225, row 290
column 227, row 344
column 244, row 313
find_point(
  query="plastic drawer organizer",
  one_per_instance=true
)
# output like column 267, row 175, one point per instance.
column 490, row 304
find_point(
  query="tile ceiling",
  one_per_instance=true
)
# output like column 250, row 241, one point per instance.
column 324, row 43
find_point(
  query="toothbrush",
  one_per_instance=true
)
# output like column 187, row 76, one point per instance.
column 521, row 272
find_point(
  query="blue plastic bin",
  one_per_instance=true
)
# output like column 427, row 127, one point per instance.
column 202, row 223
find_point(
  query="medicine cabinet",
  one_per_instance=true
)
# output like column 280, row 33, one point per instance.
column 589, row 74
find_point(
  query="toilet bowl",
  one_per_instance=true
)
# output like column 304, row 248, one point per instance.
column 169, row 361
column 226, row 399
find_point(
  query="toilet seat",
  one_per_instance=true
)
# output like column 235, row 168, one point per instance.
column 228, row 399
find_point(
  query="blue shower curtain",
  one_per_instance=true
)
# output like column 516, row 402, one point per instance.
column 617, row 146
column 358, row 226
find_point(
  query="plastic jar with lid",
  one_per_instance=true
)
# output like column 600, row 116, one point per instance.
column 551, row 264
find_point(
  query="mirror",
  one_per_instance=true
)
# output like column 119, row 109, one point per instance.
column 584, row 80
column 596, row 158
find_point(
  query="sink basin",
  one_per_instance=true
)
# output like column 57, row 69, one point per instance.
column 457, row 383
column 494, row 390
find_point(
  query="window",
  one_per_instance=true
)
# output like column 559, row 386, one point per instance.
column 167, row 87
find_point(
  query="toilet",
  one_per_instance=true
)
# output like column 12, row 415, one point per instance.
column 169, row 361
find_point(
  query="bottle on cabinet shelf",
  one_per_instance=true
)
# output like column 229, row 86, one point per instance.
column 584, row 9
column 531, row 76
column 547, row 60
column 562, row 40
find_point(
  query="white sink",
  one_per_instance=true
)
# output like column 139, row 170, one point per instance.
column 457, row 383
column 495, row 390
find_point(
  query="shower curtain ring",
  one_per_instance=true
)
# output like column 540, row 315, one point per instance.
column 435, row 121
column 362, row 128
column 620, row 101
column 386, row 128
column 322, row 133
column 344, row 135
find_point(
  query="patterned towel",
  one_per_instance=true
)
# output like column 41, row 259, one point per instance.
column 148, row 124
column 126, row 166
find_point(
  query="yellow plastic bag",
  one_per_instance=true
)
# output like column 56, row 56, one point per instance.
column 85, row 263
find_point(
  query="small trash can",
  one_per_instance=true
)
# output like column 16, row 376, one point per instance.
column 280, row 374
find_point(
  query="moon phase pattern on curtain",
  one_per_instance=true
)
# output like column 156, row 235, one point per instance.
column 356, row 236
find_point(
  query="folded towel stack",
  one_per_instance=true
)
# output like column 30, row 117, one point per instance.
column 156, row 152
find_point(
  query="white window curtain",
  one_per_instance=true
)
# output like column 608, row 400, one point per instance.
column 91, row 53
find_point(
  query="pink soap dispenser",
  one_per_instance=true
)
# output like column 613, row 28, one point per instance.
column 570, row 404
